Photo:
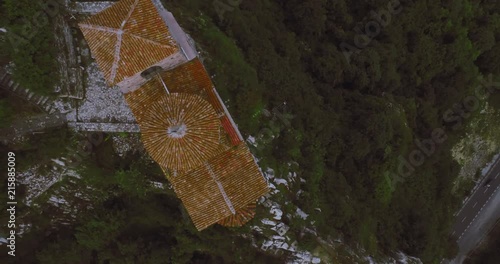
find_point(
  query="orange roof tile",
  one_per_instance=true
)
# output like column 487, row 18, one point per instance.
column 241, row 217
column 127, row 38
column 190, row 77
column 210, row 168
column 228, row 127
column 221, row 188
column 180, row 131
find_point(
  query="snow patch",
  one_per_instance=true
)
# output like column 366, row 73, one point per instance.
column 256, row 228
column 90, row 7
column 301, row 214
column 251, row 140
column 370, row 260
column 56, row 201
column 279, row 181
column 266, row 221
column 23, row 228
column 37, row 184
column 269, row 173
column 404, row 259
column 103, row 104
column 59, row 162
column 157, row 185
column 276, row 211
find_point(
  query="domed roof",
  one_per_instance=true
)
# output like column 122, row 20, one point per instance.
column 181, row 131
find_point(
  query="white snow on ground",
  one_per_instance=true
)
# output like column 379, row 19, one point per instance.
column 157, row 185
column 258, row 229
column 266, row 221
column 276, row 211
column 292, row 176
column 275, row 237
column 72, row 173
column 251, row 140
column 273, row 188
column 280, row 243
column 269, row 173
column 102, row 103
column 62, row 106
column 37, row 184
column 121, row 145
column 404, row 259
column 59, row 162
column 301, row 214
column 56, row 201
column 279, row 181
column 370, row 260
column 71, row 116
column 23, row 228
column 105, row 127
column 303, row 257
column 90, row 7
column 489, row 165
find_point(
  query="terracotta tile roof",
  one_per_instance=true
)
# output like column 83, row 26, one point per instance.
column 228, row 127
column 180, row 131
column 190, row 77
column 127, row 38
column 224, row 187
column 140, row 99
column 214, row 101
column 241, row 217
column 221, row 188
column 187, row 130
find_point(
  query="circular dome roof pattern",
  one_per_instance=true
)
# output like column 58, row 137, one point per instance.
column 181, row 131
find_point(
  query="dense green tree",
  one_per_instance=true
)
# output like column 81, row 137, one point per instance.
column 487, row 62
column 31, row 47
column 5, row 113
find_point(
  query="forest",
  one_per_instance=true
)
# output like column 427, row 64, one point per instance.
column 29, row 43
column 352, row 120
column 358, row 85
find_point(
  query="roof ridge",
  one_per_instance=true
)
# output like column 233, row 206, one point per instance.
column 150, row 41
column 99, row 28
column 119, row 33
column 221, row 188
column 132, row 9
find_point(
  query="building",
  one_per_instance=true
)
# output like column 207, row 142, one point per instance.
column 185, row 126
